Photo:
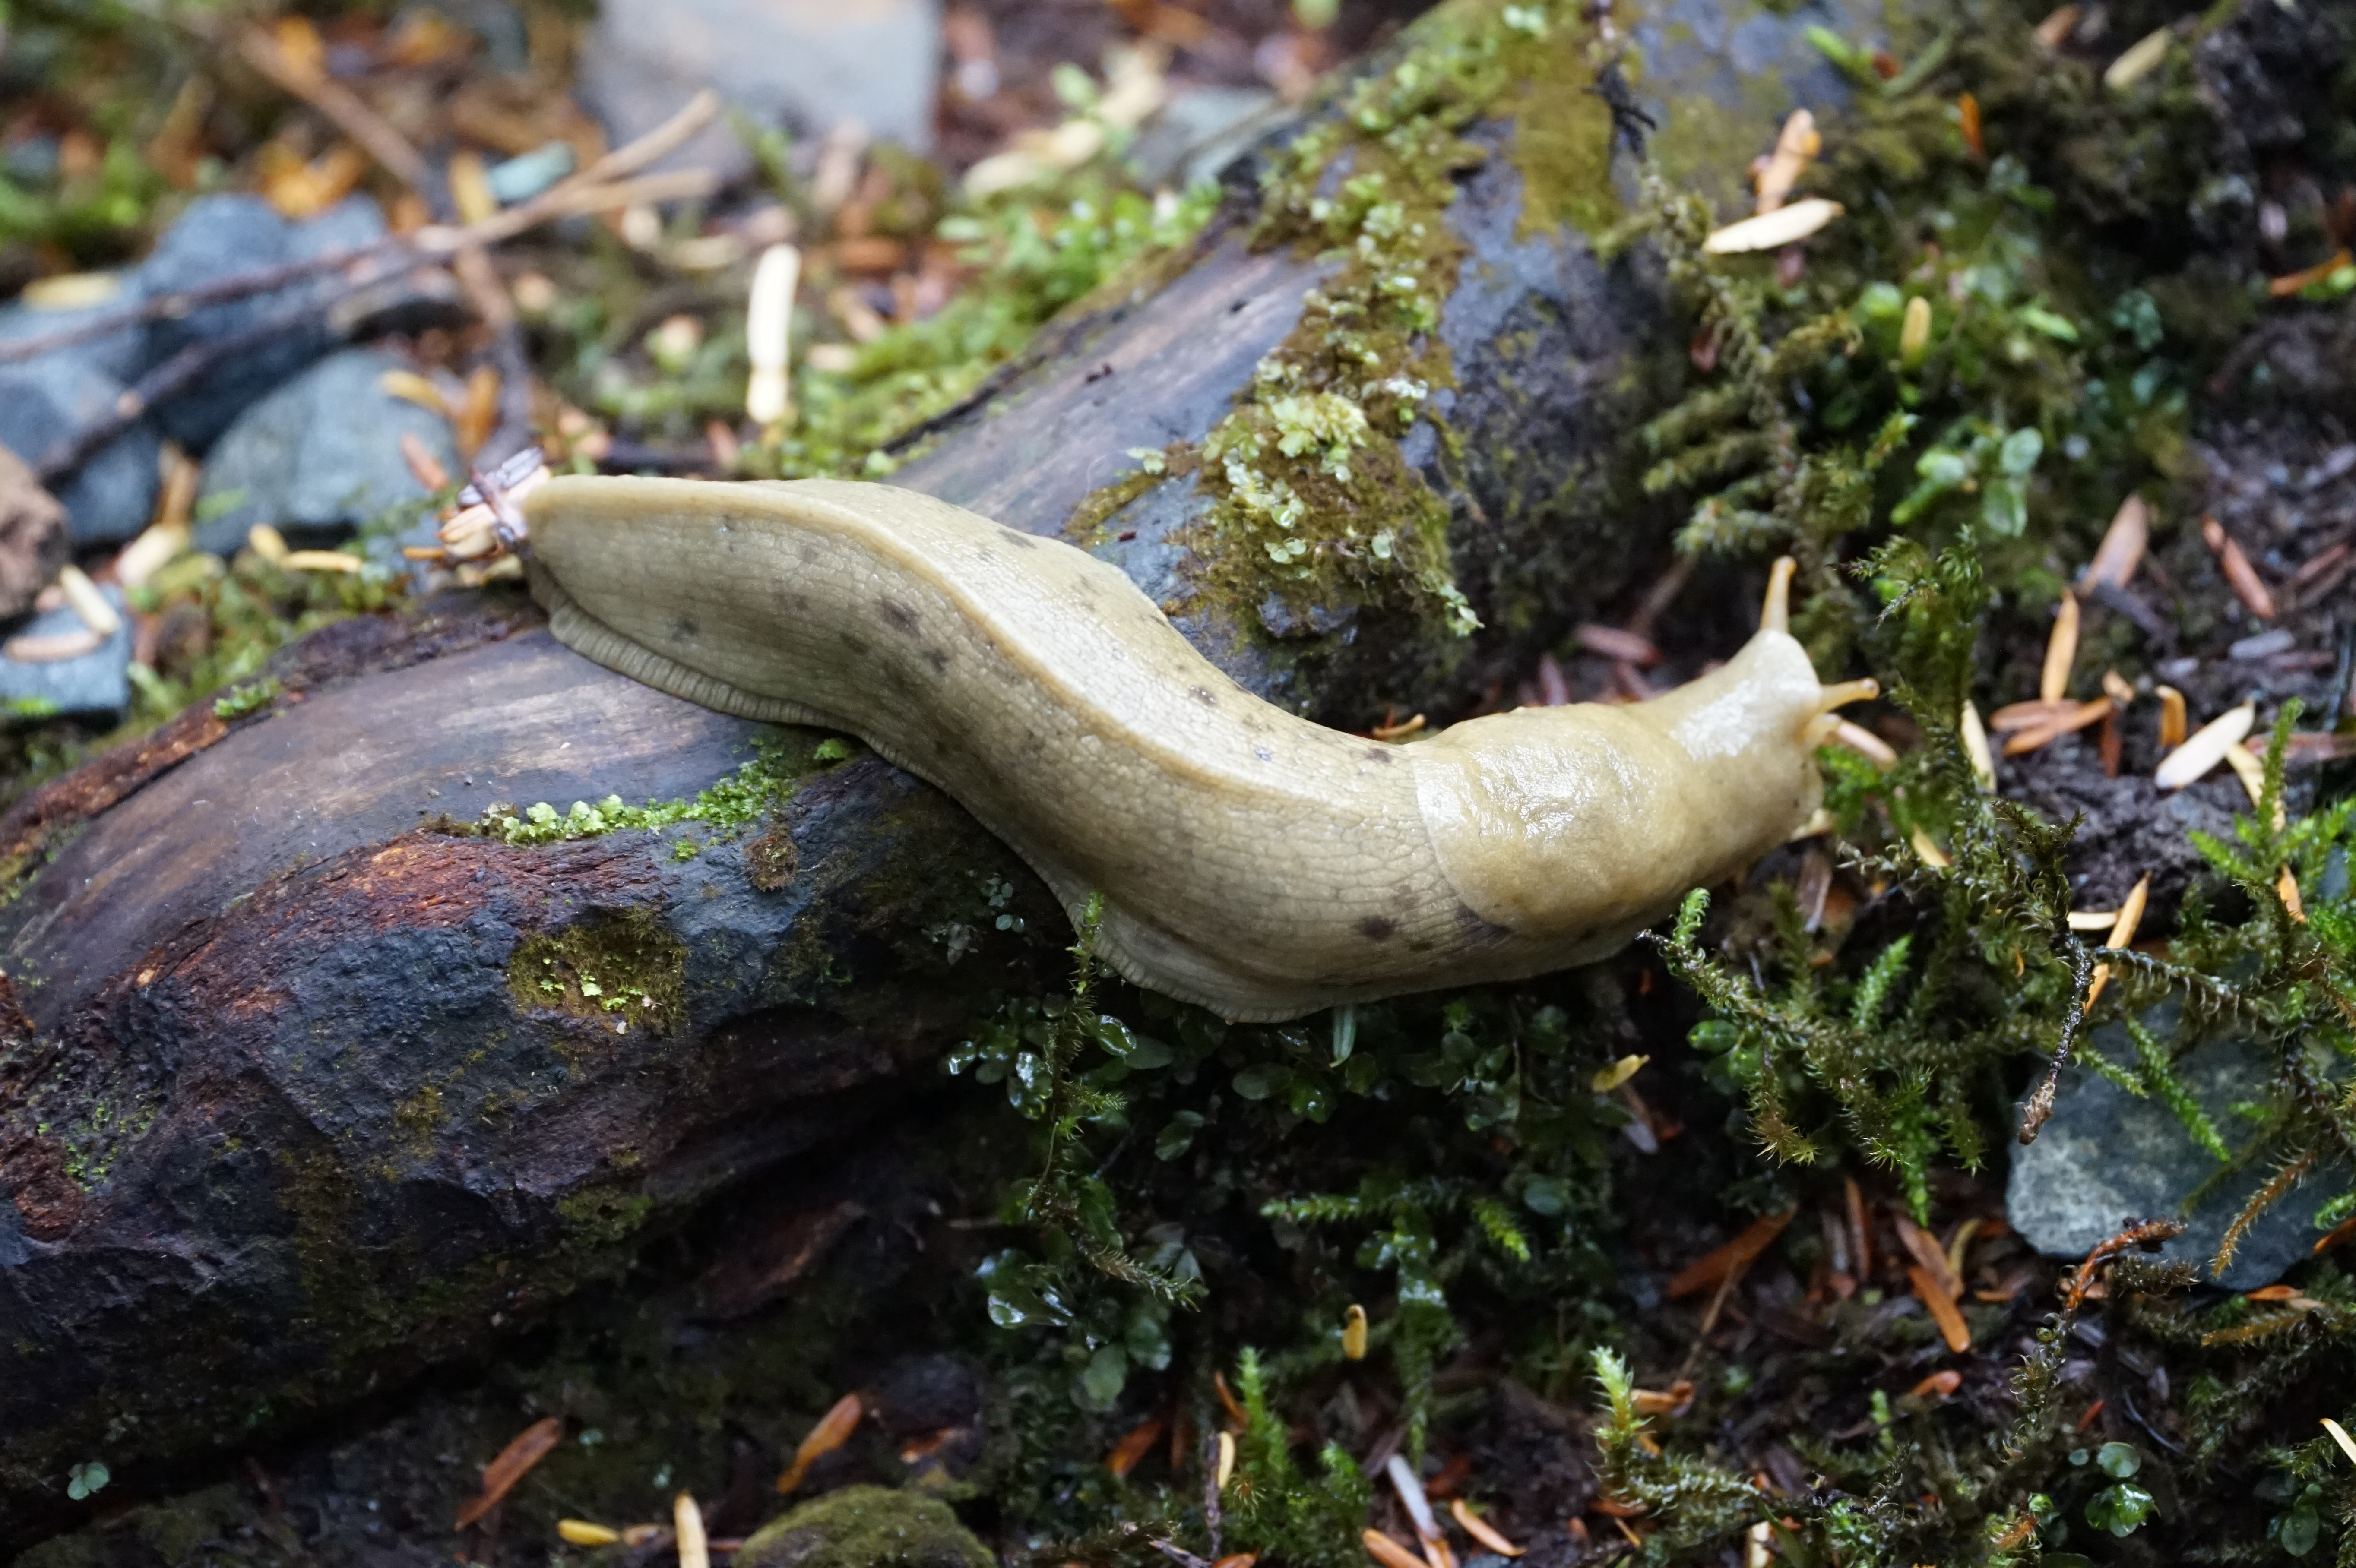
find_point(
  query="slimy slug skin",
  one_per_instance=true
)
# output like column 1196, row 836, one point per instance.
column 1250, row 861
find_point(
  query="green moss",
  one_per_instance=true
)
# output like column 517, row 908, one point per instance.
column 1314, row 501
column 420, row 1115
column 602, row 1217
column 1084, row 526
column 1562, row 139
column 620, row 970
column 867, row 1527
column 757, row 787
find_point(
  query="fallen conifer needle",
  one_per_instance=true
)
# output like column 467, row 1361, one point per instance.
column 1942, row 1308
column 2205, row 748
column 1482, row 1532
column 1773, row 230
column 514, row 1462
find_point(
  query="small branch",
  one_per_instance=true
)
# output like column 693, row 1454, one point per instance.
column 591, row 190
column 597, row 189
column 1211, row 1520
column 70, row 451
column 569, row 196
column 343, row 107
column 185, row 301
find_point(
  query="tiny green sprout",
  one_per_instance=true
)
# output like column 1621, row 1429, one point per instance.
column 2039, row 319
column 251, row 697
column 86, row 1479
column 2119, row 1460
column 2121, row 1510
column 833, row 748
column 2297, row 1532
column 1149, row 460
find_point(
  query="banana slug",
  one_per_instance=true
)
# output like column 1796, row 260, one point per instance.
column 1250, row 861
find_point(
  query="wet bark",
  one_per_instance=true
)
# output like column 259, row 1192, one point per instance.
column 285, row 1114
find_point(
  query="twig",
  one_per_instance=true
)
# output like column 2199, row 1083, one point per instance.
column 172, row 376
column 565, row 197
column 185, row 301
column 341, row 106
column 1211, row 1490
column 437, row 243
column 591, row 190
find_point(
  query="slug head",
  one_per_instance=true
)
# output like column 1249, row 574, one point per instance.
column 1589, row 820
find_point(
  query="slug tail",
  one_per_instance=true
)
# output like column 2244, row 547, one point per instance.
column 600, row 644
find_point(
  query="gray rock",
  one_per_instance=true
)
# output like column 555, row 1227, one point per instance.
column 2105, row 1158
column 321, row 454
column 44, row 400
column 804, row 64
column 119, row 354
column 1201, row 131
column 95, row 686
column 217, row 236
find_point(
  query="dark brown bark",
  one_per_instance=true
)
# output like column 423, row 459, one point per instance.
column 279, row 1124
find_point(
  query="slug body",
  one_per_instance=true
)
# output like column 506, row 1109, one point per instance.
column 1250, row 861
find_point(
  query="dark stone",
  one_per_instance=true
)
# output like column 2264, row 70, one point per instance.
column 319, row 455
column 120, row 354
column 45, row 400
column 1200, row 132
column 2106, row 1158
column 867, row 1527
column 219, row 235
column 97, row 684
column 803, row 66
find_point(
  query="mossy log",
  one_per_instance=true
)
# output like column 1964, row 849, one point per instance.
column 305, row 1087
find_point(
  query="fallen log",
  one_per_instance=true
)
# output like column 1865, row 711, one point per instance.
column 308, row 1081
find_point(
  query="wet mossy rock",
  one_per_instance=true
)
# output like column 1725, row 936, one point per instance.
column 1373, row 445
column 866, row 1527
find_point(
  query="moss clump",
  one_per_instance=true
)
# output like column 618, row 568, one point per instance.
column 867, row 1527
column 618, row 970
column 1313, row 499
column 771, row 860
column 754, row 790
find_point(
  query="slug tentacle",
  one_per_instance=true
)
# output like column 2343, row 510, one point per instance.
column 1250, row 861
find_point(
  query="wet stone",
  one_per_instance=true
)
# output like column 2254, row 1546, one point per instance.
column 319, row 456
column 802, row 64
column 120, row 354
column 2106, row 1158
column 42, row 402
column 97, row 684
column 221, row 235
column 1201, row 132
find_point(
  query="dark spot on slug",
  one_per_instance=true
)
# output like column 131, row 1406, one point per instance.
column 1380, row 754
column 938, row 660
column 900, row 616
column 855, row 643
column 1203, row 695
column 1263, row 753
column 683, row 628
column 1016, row 537
column 1376, row 928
